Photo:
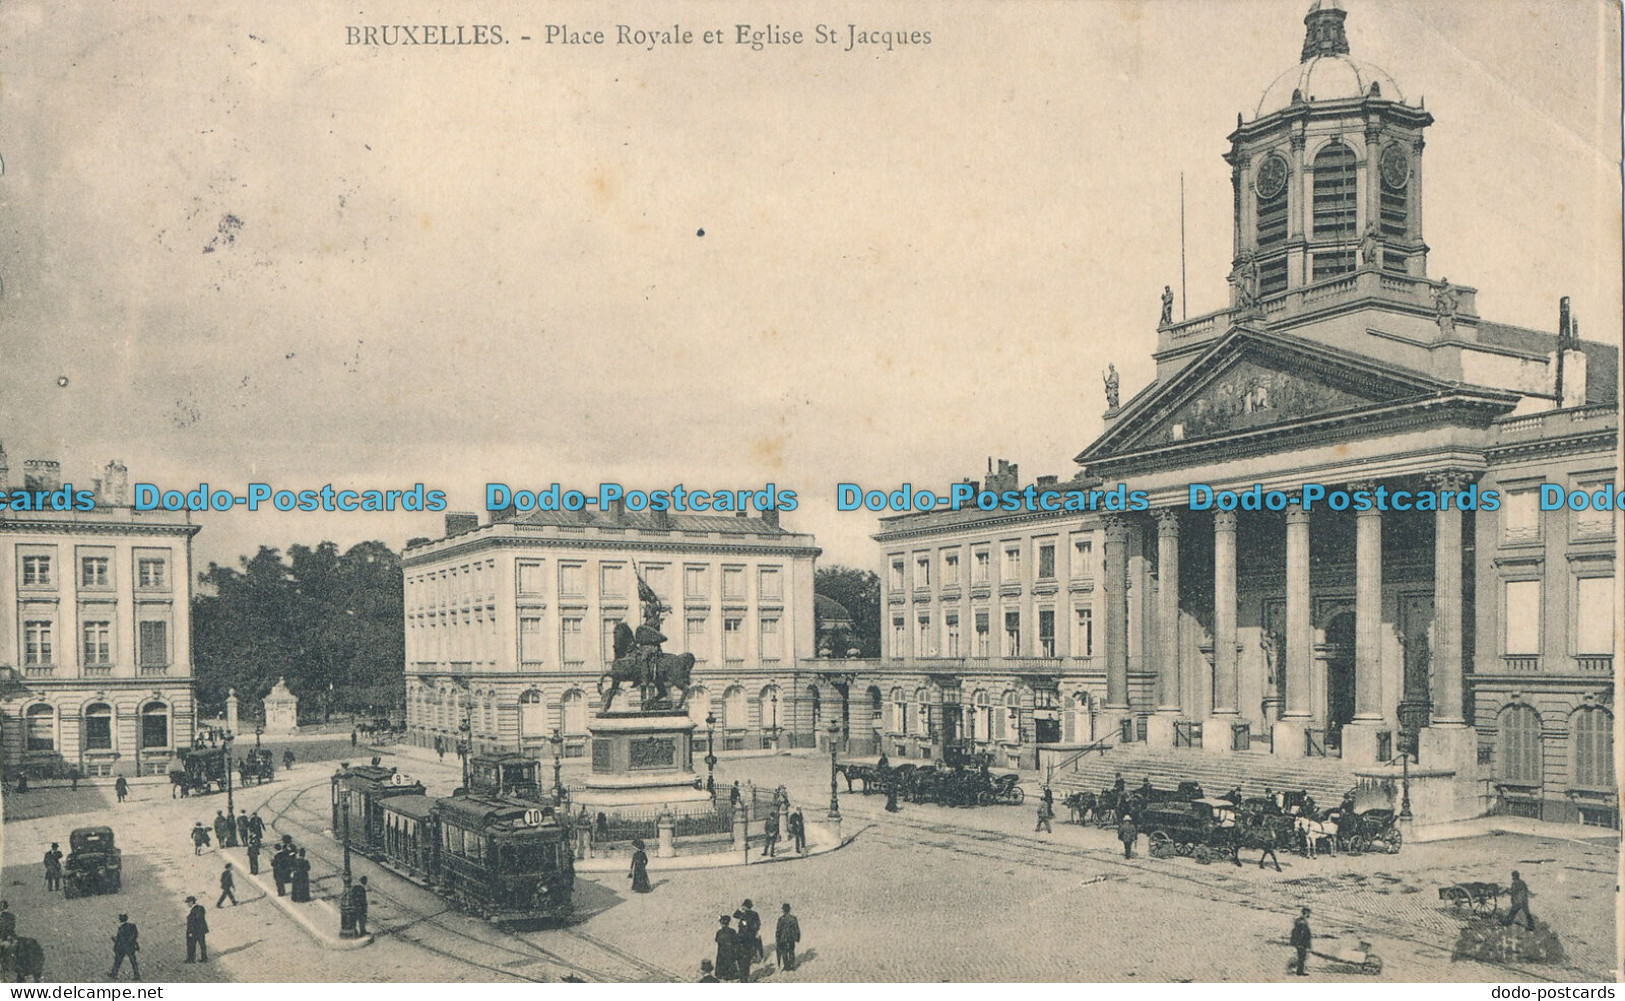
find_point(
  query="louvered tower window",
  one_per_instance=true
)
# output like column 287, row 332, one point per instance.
column 1336, row 194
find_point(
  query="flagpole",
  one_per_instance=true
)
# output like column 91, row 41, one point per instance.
column 1183, row 309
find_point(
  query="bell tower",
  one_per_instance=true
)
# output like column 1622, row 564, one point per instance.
column 1327, row 176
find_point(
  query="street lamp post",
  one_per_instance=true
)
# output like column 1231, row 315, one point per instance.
column 710, row 755
column 462, row 748
column 226, row 738
column 258, row 729
column 834, row 796
column 1405, row 786
column 773, row 728
column 557, row 740
column 347, row 913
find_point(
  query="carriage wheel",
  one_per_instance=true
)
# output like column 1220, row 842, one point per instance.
column 1356, row 844
column 1018, row 795
column 1395, row 839
column 1204, row 855
column 1162, row 845
column 1185, row 849
column 1485, row 904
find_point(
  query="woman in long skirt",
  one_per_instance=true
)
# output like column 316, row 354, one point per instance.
column 301, row 878
column 640, row 868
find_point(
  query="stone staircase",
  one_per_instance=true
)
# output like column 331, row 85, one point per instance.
column 1326, row 779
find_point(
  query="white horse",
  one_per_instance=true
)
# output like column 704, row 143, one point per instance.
column 1314, row 831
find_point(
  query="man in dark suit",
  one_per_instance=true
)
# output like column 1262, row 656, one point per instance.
column 280, row 870
column 358, row 903
column 798, row 831
column 125, row 945
column 1301, row 939
column 1519, row 894
column 53, row 867
column 197, row 928
column 750, row 934
column 785, row 938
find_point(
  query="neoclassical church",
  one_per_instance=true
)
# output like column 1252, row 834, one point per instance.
column 1471, row 642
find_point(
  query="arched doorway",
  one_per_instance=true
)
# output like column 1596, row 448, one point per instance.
column 1339, row 672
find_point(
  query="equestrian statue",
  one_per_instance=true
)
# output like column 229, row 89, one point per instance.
column 640, row 661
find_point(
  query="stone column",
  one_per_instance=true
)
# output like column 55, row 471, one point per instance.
column 1300, row 639
column 1116, row 588
column 231, row 710
column 1160, row 731
column 1360, row 736
column 1447, row 742
column 1226, row 690
column 1372, row 213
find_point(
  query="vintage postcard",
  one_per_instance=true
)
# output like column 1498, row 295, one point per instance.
column 898, row 492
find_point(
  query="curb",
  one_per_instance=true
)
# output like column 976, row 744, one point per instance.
column 304, row 915
column 713, row 860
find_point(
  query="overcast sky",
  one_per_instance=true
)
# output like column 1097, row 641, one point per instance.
column 257, row 253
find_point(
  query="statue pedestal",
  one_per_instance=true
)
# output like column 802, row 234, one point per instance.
column 642, row 762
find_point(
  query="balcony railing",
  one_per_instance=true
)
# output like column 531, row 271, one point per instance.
column 1521, row 662
column 154, row 670
column 39, row 670
column 98, row 670
column 1599, row 663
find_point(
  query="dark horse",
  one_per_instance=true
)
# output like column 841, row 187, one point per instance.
column 649, row 668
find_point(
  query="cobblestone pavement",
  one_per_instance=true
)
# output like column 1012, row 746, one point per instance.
column 926, row 895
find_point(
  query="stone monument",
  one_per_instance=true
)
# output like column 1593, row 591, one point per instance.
column 281, row 709
column 643, row 758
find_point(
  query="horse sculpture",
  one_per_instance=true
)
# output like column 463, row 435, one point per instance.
column 648, row 667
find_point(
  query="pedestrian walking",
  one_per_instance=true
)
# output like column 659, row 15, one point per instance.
column 727, row 948
column 53, row 867
column 1046, row 813
column 244, row 828
column 785, row 938
column 281, row 869
column 200, row 838
column 750, row 933
column 121, row 787
column 440, row 748
column 197, row 930
column 222, row 828
column 1519, row 894
column 258, row 826
column 287, row 761
column 354, row 738
column 254, row 857
column 126, row 943
column 1127, row 834
column 1301, row 939
column 798, row 831
column 358, row 904
column 639, row 873
column 770, row 835
column 734, row 795
column 74, row 777
column 227, row 886
column 301, row 878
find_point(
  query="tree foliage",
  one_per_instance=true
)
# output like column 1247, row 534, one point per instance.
column 858, row 591
column 317, row 617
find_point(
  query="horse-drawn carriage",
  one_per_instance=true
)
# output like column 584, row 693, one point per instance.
column 257, row 767
column 1199, row 828
column 1372, row 830
column 202, row 770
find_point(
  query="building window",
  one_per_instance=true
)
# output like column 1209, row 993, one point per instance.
column 699, row 637
column 1591, row 523
column 1011, row 570
column 899, row 711
column 950, row 628
column 771, row 642
column 1522, row 617
column 530, row 578
column 697, row 582
column 922, row 634
column 658, row 580
column 1595, row 607
column 574, row 709
column 93, row 571
column 1520, row 516
column 1012, row 633
column 150, row 573
column 1337, row 194
column 982, row 728
column 1083, row 644
column 733, row 639
column 1046, row 632
column 897, row 574
column 1083, row 557
column 771, row 584
column 36, row 571
column 1271, row 218
column 1592, row 735
column 612, row 577
column 1520, row 745
column 950, row 568
column 735, row 713
column 154, row 649
column 733, row 582
column 530, row 639
column 572, row 579
column 979, row 568
column 699, row 707
column 1046, row 561
column 608, row 649
column 154, row 725
column 98, row 643
column 98, row 727
column 816, row 701
column 897, row 637
column 570, row 644
column 1272, row 276
column 1331, row 263
column 532, row 714
column 37, row 646
column 983, row 642
column 41, row 727
column 922, row 571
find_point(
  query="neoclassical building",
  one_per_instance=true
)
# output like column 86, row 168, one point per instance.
column 95, row 632
column 1479, row 637
column 510, row 624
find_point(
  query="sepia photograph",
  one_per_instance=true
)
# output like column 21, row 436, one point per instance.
column 991, row 492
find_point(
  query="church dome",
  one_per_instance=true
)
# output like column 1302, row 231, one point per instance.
column 1326, row 72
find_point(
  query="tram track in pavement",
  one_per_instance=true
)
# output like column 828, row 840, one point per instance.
column 633, row 969
column 984, row 844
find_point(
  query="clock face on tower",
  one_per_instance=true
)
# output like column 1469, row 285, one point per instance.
column 1271, row 179
column 1396, row 167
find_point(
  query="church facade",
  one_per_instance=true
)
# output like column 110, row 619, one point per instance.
column 1371, row 573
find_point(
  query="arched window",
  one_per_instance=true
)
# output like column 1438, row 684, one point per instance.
column 877, row 706
column 770, row 706
column 1519, row 732
column 1337, row 194
column 816, row 700
column 98, row 727
column 532, row 714
column 922, row 712
column 490, row 713
column 574, row 706
column 734, row 711
column 1591, row 734
column 899, row 703
column 699, row 705
column 1075, row 718
column 154, row 725
column 984, row 716
column 1009, row 722
column 41, row 727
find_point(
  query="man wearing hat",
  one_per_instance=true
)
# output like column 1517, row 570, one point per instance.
column 727, row 949
column 197, row 927
column 708, row 973
column 53, row 867
column 125, row 946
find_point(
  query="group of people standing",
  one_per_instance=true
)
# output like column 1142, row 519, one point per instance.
column 739, row 944
column 291, row 871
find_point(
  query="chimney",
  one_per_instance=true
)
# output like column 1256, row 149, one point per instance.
column 508, row 513
column 770, row 518
column 115, row 484
column 1048, row 481
column 662, row 518
column 461, row 522
column 1006, row 477
column 41, row 474
column 741, row 514
column 617, row 510
column 1568, row 362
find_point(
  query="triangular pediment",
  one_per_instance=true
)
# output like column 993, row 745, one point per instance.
column 1251, row 380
